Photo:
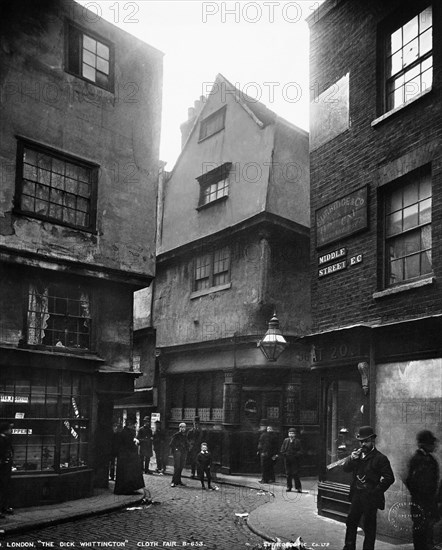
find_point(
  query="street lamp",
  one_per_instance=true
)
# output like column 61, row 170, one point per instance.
column 273, row 343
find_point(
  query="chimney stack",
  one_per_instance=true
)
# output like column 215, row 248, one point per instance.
column 192, row 113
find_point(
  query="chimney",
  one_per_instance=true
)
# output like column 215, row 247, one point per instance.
column 192, row 113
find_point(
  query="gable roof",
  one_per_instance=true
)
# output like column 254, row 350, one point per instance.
column 258, row 112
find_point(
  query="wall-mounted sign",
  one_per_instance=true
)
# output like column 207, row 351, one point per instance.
column 332, row 268
column 342, row 217
column 21, row 431
column 356, row 259
column 11, row 399
column 19, row 415
column 330, row 256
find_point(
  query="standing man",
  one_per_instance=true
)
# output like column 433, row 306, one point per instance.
column 372, row 476
column 195, row 438
column 179, row 447
column 422, row 481
column 291, row 451
column 158, row 447
column 6, row 454
column 267, row 451
column 145, row 439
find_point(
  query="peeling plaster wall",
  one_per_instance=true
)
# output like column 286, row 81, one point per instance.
column 180, row 320
column 111, row 333
column 118, row 131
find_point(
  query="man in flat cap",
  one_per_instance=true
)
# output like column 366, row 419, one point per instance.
column 372, row 476
column 179, row 447
column 422, row 481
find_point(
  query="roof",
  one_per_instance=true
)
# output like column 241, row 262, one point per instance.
column 262, row 115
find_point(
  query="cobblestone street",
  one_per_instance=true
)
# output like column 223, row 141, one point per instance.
column 184, row 517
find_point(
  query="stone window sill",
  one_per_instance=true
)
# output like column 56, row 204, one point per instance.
column 210, row 290
column 417, row 97
column 403, row 287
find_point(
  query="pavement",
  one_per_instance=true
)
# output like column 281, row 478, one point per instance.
column 283, row 517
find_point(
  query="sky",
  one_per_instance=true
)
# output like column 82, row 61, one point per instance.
column 261, row 47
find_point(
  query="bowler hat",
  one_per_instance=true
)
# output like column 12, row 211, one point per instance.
column 365, row 432
column 426, row 437
column 146, row 418
column 294, row 430
column 196, row 419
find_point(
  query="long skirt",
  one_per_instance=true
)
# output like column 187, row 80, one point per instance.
column 129, row 474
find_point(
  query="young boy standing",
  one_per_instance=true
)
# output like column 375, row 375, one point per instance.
column 203, row 463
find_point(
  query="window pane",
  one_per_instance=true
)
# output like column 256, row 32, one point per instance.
column 89, row 43
column 396, row 40
column 426, row 262
column 410, row 217
column 396, row 272
column 411, row 52
column 102, row 50
column 426, row 42
column 396, row 62
column 89, row 58
column 412, row 266
column 410, row 30
column 89, row 72
column 411, row 194
column 102, row 65
column 425, row 211
column 425, row 19
column 427, row 79
column 394, row 223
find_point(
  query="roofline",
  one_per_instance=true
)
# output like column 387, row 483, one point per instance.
column 321, row 11
column 156, row 51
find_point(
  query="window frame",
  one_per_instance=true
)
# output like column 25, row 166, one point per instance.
column 218, row 174
column 219, row 112
column 49, row 406
column 69, row 283
column 211, row 274
column 399, row 183
column 98, row 38
column 394, row 22
column 23, row 144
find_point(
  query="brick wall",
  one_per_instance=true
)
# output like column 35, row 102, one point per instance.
column 346, row 41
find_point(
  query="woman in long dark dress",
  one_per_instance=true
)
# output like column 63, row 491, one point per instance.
column 129, row 471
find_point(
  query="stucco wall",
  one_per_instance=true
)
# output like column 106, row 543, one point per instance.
column 119, row 131
column 243, row 143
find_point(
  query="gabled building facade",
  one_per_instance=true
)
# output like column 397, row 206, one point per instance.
column 80, row 118
column 375, row 157
column 232, row 250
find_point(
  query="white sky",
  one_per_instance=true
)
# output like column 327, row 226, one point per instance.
column 261, row 47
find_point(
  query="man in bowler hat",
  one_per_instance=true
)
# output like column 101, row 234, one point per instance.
column 422, row 481
column 195, row 437
column 372, row 476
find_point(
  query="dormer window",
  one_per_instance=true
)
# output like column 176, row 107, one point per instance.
column 214, row 185
column 213, row 123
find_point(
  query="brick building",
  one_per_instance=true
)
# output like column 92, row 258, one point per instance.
column 233, row 247
column 376, row 206
column 79, row 141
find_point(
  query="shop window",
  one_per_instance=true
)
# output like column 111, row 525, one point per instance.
column 212, row 269
column 408, row 228
column 50, row 413
column 55, row 187
column 345, row 414
column 58, row 316
column 89, row 57
column 213, row 123
column 409, row 59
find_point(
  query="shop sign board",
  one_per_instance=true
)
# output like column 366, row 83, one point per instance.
column 342, row 217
